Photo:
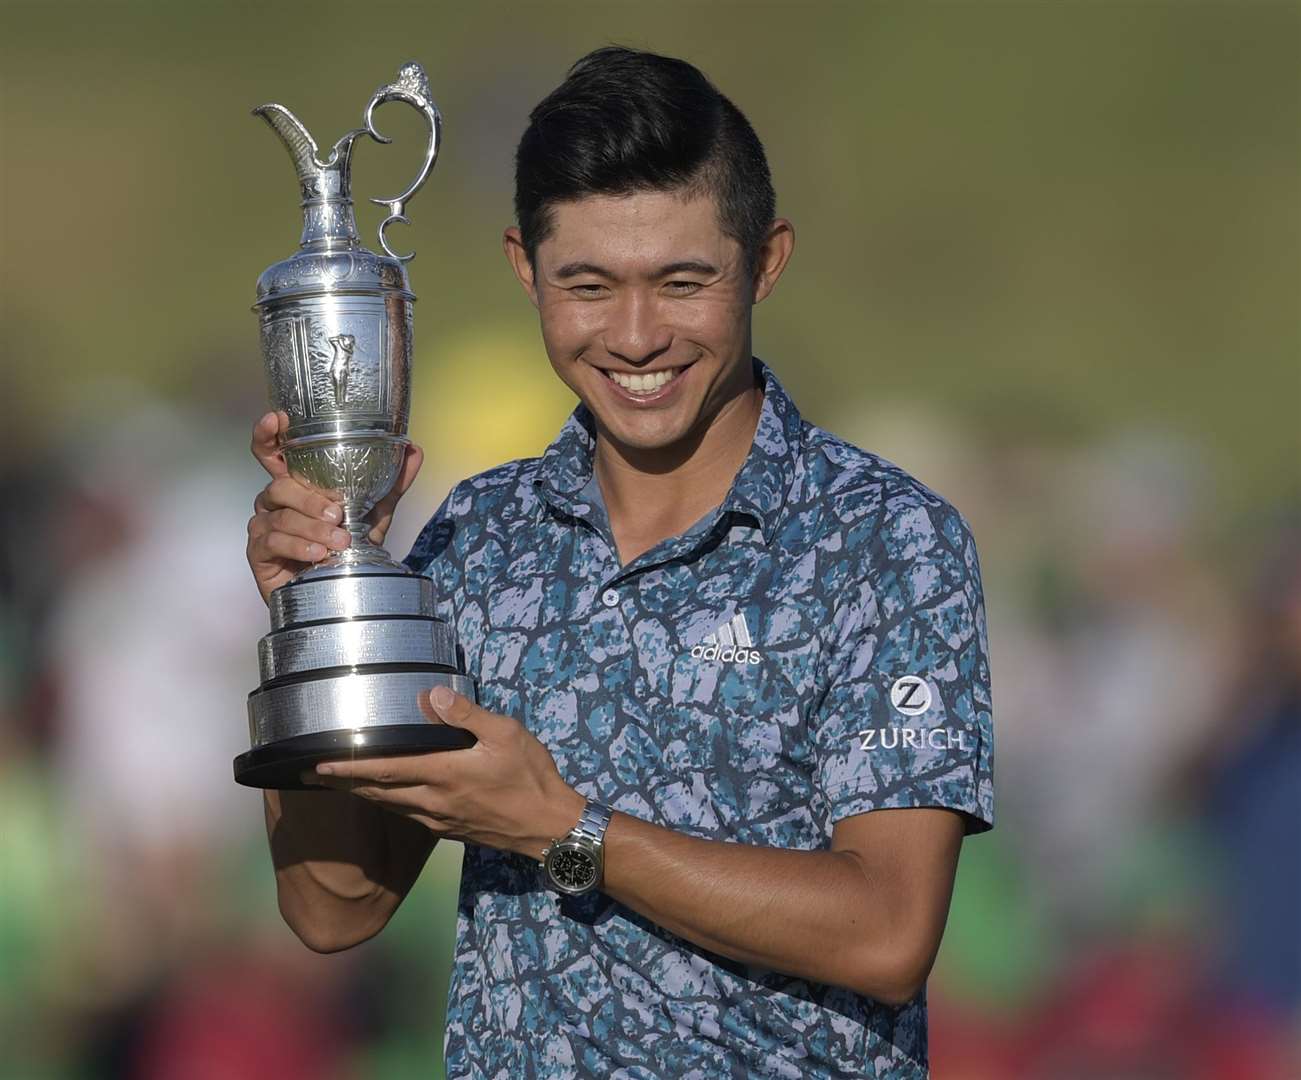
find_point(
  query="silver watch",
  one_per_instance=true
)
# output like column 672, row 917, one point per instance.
column 574, row 863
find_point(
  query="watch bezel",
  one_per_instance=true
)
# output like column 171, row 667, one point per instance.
column 578, row 845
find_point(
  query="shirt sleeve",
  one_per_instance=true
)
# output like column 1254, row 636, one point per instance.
column 434, row 539
column 906, row 720
column 434, row 555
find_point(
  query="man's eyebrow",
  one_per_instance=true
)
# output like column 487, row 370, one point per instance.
column 684, row 266
column 574, row 269
column 687, row 266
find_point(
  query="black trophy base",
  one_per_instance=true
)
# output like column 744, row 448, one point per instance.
column 278, row 764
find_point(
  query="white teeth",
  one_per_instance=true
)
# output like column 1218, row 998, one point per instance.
column 644, row 384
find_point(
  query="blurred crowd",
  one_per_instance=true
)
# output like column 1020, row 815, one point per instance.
column 1134, row 913
column 1047, row 263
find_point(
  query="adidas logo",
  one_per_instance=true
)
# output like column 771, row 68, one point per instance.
column 729, row 644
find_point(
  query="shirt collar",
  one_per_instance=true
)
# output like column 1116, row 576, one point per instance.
column 758, row 491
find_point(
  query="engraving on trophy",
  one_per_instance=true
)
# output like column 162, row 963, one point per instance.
column 280, row 349
column 343, row 345
column 360, row 473
column 338, row 268
column 397, row 373
column 358, row 369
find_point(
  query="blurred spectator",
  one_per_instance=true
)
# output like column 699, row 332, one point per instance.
column 1111, row 677
column 152, row 645
column 1245, row 779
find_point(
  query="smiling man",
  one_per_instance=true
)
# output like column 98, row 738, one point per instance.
column 735, row 710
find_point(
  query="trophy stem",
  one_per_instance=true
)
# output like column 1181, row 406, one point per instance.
column 361, row 556
column 358, row 530
column 362, row 549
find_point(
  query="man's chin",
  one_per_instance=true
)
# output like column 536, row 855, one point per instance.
column 644, row 439
column 642, row 442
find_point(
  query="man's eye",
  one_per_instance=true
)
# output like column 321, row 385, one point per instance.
column 587, row 291
column 684, row 288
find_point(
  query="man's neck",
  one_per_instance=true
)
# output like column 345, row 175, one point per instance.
column 653, row 495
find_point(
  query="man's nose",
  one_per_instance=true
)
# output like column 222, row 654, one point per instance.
column 636, row 334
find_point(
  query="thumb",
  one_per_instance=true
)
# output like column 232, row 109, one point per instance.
column 381, row 516
column 265, row 444
column 459, row 711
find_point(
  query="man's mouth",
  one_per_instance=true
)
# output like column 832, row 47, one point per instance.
column 647, row 384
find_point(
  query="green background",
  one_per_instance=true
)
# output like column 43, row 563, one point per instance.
column 1024, row 231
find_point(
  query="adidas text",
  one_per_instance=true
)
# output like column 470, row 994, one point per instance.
column 729, row 644
column 726, row 654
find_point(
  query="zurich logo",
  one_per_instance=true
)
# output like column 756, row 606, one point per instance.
column 911, row 695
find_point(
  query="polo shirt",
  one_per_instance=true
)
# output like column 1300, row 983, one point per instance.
column 813, row 648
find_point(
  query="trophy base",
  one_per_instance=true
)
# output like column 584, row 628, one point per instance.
column 346, row 672
column 362, row 557
column 277, row 765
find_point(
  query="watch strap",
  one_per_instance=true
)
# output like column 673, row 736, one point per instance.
column 592, row 824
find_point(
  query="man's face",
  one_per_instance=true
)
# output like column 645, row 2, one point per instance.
column 645, row 311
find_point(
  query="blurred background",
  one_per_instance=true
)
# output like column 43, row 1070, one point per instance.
column 1048, row 260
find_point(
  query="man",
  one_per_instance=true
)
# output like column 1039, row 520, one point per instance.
column 749, row 658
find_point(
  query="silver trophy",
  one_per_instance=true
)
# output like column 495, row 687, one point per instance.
column 355, row 646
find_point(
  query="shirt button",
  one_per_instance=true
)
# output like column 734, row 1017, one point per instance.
column 610, row 598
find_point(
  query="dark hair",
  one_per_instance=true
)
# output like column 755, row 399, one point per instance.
column 625, row 121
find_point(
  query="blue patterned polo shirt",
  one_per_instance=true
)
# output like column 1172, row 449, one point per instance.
column 813, row 648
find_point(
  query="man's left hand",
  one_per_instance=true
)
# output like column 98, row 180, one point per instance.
column 504, row 792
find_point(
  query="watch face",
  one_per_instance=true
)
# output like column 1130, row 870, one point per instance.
column 572, row 868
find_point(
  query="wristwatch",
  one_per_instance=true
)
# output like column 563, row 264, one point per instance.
column 574, row 863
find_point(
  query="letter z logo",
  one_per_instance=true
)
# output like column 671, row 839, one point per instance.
column 910, row 695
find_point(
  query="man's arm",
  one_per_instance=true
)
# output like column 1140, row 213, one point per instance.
column 867, row 915
column 342, row 866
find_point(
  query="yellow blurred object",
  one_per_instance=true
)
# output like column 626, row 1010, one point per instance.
column 483, row 397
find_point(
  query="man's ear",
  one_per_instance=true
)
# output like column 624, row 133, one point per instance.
column 512, row 243
column 773, row 257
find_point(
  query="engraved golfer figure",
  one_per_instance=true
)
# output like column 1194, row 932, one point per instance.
column 343, row 345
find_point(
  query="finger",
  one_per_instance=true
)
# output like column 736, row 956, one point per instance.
column 427, row 708
column 415, row 457
column 277, row 545
column 408, row 796
column 381, row 516
column 396, row 769
column 459, row 711
column 292, row 523
column 434, row 824
column 380, row 528
column 290, row 492
column 295, row 493
column 423, row 815
column 265, row 443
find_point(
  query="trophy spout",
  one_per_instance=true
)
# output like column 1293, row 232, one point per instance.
column 326, row 186
column 295, row 137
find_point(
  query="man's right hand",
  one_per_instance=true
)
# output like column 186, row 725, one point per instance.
column 295, row 524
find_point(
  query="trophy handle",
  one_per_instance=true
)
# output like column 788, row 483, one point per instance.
column 412, row 86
